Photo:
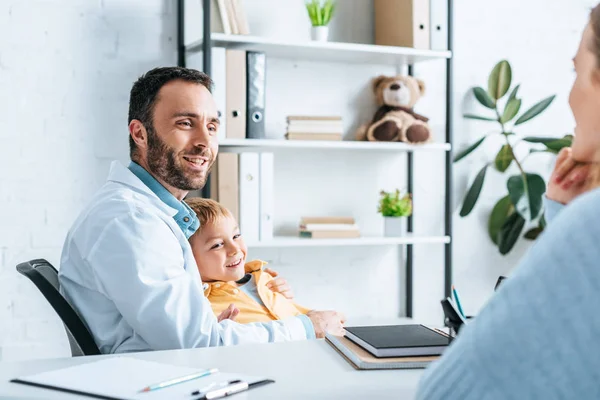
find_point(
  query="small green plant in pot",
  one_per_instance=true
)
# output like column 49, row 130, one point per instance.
column 523, row 202
column 394, row 208
column 320, row 13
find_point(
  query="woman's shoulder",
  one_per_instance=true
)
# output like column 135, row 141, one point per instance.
column 583, row 210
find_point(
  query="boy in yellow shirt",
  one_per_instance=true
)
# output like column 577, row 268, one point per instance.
column 220, row 254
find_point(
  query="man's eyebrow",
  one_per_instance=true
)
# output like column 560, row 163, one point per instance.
column 214, row 120
column 186, row 114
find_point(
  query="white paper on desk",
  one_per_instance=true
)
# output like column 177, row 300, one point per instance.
column 123, row 377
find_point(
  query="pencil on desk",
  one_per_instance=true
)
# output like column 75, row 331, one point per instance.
column 179, row 380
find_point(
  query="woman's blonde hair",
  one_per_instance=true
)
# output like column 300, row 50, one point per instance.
column 207, row 210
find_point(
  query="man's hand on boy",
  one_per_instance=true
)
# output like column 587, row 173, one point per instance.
column 279, row 285
column 331, row 322
column 230, row 313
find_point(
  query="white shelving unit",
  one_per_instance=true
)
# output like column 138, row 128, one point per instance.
column 293, row 241
column 324, row 51
column 349, row 53
column 240, row 145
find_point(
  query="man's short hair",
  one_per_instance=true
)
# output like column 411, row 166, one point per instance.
column 207, row 210
column 144, row 93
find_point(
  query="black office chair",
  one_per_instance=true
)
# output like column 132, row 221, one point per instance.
column 45, row 277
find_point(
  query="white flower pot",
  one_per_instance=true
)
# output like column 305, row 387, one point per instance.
column 394, row 226
column 319, row 33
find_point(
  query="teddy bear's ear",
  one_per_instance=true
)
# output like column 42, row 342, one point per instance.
column 378, row 81
column 421, row 86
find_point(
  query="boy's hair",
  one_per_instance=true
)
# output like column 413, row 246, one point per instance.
column 207, row 210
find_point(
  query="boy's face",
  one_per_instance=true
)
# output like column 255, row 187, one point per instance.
column 220, row 251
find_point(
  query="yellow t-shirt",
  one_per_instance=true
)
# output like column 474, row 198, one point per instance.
column 276, row 306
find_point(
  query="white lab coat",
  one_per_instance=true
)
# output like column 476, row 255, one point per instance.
column 128, row 270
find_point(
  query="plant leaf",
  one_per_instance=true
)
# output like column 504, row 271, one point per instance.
column 473, row 193
column 499, row 80
column 472, row 116
column 510, row 232
column 533, row 233
column 535, row 110
column 511, row 110
column 484, row 98
column 533, row 139
column 543, row 221
column 504, row 158
column 513, row 94
column 526, row 194
column 552, row 144
column 468, row 150
column 498, row 216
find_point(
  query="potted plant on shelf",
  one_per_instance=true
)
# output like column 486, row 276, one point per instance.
column 320, row 13
column 394, row 208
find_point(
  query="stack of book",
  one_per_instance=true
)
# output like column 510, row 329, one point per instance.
column 306, row 127
column 391, row 346
column 328, row 227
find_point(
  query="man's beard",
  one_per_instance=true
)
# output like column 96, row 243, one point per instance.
column 164, row 164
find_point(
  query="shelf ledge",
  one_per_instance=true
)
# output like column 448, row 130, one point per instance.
column 241, row 145
column 324, row 51
column 293, row 241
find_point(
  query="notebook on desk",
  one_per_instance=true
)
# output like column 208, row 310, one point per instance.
column 399, row 340
column 120, row 378
column 361, row 359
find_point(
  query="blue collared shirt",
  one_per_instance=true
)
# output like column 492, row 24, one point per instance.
column 186, row 217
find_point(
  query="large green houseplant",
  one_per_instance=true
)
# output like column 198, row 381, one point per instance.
column 523, row 202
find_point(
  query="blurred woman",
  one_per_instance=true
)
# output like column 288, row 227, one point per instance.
column 539, row 336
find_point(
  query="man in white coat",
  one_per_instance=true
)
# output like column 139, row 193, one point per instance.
column 127, row 267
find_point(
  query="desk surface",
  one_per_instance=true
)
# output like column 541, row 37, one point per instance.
column 303, row 369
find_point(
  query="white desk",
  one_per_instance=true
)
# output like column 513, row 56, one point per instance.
column 305, row 369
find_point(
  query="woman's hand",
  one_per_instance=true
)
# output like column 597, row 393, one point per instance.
column 279, row 285
column 568, row 178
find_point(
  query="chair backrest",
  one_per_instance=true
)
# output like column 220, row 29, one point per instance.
column 45, row 277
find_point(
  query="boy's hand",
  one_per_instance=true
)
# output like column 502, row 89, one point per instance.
column 230, row 313
column 330, row 322
column 568, row 178
column 279, row 285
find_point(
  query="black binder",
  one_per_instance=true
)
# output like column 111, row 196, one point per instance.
column 256, row 79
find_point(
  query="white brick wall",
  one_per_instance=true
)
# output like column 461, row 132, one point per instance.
column 66, row 67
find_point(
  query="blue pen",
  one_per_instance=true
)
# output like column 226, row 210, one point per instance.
column 180, row 380
column 458, row 301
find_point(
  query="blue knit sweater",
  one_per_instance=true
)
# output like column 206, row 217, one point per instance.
column 538, row 337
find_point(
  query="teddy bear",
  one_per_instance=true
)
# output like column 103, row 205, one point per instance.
column 395, row 120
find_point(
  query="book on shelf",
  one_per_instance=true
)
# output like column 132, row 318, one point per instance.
column 330, row 234
column 327, row 220
column 229, row 17
column 313, row 136
column 328, row 227
column 306, row 127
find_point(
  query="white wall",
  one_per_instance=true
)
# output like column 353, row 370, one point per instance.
column 66, row 68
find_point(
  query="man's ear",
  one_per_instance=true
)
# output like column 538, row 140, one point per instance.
column 138, row 133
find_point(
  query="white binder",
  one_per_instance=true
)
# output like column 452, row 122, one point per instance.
column 249, row 196
column 438, row 12
column 266, row 196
